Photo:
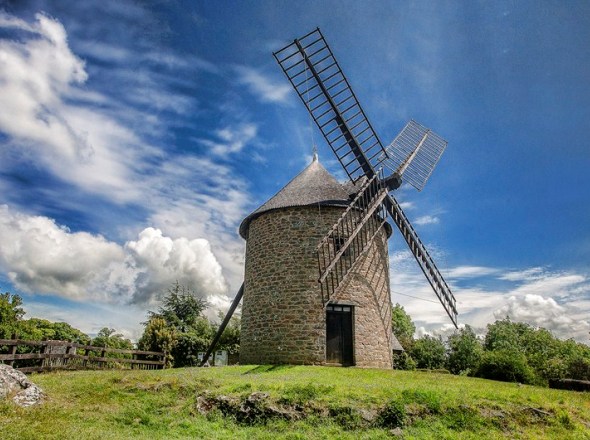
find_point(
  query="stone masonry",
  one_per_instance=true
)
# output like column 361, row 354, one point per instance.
column 283, row 318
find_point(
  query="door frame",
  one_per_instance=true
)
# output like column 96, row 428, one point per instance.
column 342, row 310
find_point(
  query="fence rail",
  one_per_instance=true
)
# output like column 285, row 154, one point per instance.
column 54, row 355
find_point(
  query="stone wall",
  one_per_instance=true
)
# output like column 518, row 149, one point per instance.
column 283, row 319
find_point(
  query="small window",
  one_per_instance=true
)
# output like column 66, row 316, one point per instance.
column 338, row 308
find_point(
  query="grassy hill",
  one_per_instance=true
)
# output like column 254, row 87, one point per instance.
column 284, row 402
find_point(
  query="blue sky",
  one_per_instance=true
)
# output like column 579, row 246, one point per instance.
column 135, row 136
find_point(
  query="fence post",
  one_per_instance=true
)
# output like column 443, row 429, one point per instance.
column 85, row 361
column 12, row 350
column 42, row 350
column 71, row 350
column 102, row 355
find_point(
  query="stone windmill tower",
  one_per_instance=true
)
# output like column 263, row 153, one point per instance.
column 285, row 316
column 316, row 288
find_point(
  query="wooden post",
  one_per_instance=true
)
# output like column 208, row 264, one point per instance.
column 42, row 351
column 71, row 350
column 85, row 361
column 101, row 363
column 12, row 350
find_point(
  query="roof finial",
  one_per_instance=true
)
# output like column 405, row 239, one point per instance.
column 315, row 153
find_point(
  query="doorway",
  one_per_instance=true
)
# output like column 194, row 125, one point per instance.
column 339, row 334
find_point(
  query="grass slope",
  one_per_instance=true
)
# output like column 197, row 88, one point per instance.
column 327, row 403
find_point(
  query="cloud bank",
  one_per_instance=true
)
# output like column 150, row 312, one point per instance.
column 43, row 257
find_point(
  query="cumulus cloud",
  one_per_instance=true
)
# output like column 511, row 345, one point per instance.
column 543, row 312
column 554, row 300
column 40, row 256
column 92, row 137
column 161, row 260
column 261, row 86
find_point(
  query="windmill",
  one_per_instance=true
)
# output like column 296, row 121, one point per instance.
column 375, row 170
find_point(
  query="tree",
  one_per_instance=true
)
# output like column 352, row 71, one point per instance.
column 230, row 338
column 507, row 335
column 429, row 352
column 158, row 336
column 179, row 328
column 180, row 307
column 11, row 313
column 40, row 329
column 402, row 326
column 506, row 365
column 107, row 337
column 465, row 351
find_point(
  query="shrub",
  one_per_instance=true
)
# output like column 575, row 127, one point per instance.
column 507, row 366
column 403, row 361
column 393, row 415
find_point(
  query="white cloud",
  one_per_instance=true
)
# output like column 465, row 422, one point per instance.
column 38, row 76
column 161, row 260
column 470, row 271
column 544, row 312
column 556, row 301
column 231, row 139
column 523, row 275
column 82, row 137
column 406, row 206
column 261, row 86
column 40, row 256
column 427, row 220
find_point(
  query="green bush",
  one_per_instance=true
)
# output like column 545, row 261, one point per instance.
column 507, row 366
column 403, row 361
column 393, row 415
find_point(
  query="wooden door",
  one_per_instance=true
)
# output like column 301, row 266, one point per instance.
column 339, row 342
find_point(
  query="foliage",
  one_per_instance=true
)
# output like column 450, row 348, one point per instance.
column 547, row 356
column 230, row 338
column 429, row 352
column 11, row 313
column 402, row 326
column 180, row 329
column 180, row 308
column 189, row 343
column 158, row 336
column 107, row 337
column 393, row 415
column 36, row 329
column 465, row 351
column 506, row 365
column 403, row 361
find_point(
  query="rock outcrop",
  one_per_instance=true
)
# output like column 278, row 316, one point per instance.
column 16, row 386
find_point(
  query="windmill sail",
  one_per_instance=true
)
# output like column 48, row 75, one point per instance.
column 312, row 69
column 351, row 236
column 317, row 78
column 414, row 153
column 425, row 261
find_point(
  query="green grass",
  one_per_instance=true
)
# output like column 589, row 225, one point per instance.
column 341, row 403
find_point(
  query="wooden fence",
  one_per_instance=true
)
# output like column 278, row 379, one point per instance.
column 56, row 355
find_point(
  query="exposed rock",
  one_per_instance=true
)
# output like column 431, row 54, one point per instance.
column 570, row 384
column 396, row 432
column 15, row 385
column 257, row 408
